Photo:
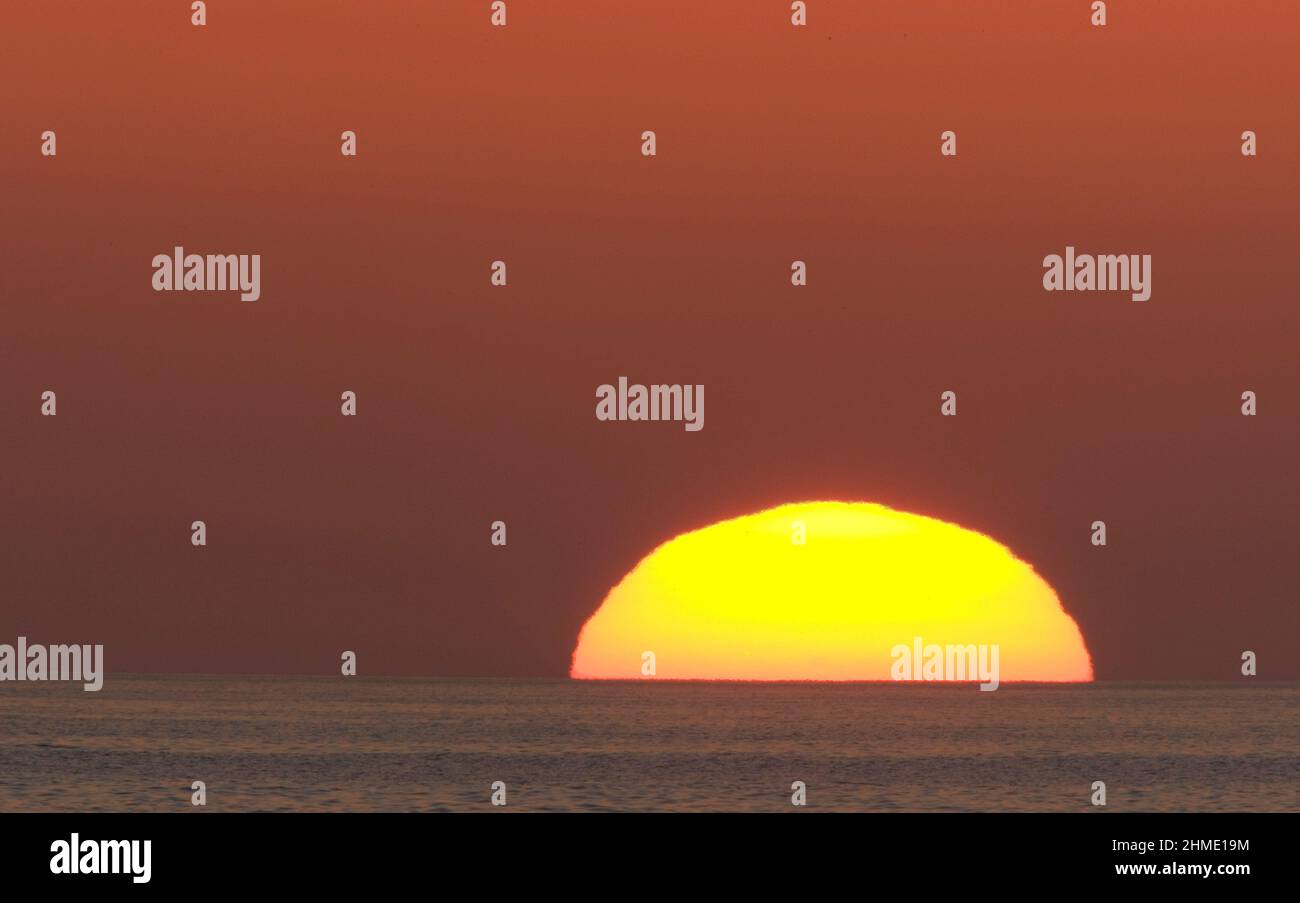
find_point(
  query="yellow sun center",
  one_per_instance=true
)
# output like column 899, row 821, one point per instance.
column 827, row 591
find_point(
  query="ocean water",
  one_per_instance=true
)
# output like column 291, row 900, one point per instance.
column 358, row 744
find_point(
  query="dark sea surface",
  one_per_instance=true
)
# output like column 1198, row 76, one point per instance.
column 355, row 744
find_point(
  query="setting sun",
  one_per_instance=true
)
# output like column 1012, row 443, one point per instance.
column 826, row 591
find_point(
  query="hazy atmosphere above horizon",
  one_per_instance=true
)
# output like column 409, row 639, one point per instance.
column 493, row 489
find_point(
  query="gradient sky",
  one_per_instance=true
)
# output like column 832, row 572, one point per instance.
column 476, row 403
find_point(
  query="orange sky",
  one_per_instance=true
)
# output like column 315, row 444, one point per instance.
column 521, row 144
